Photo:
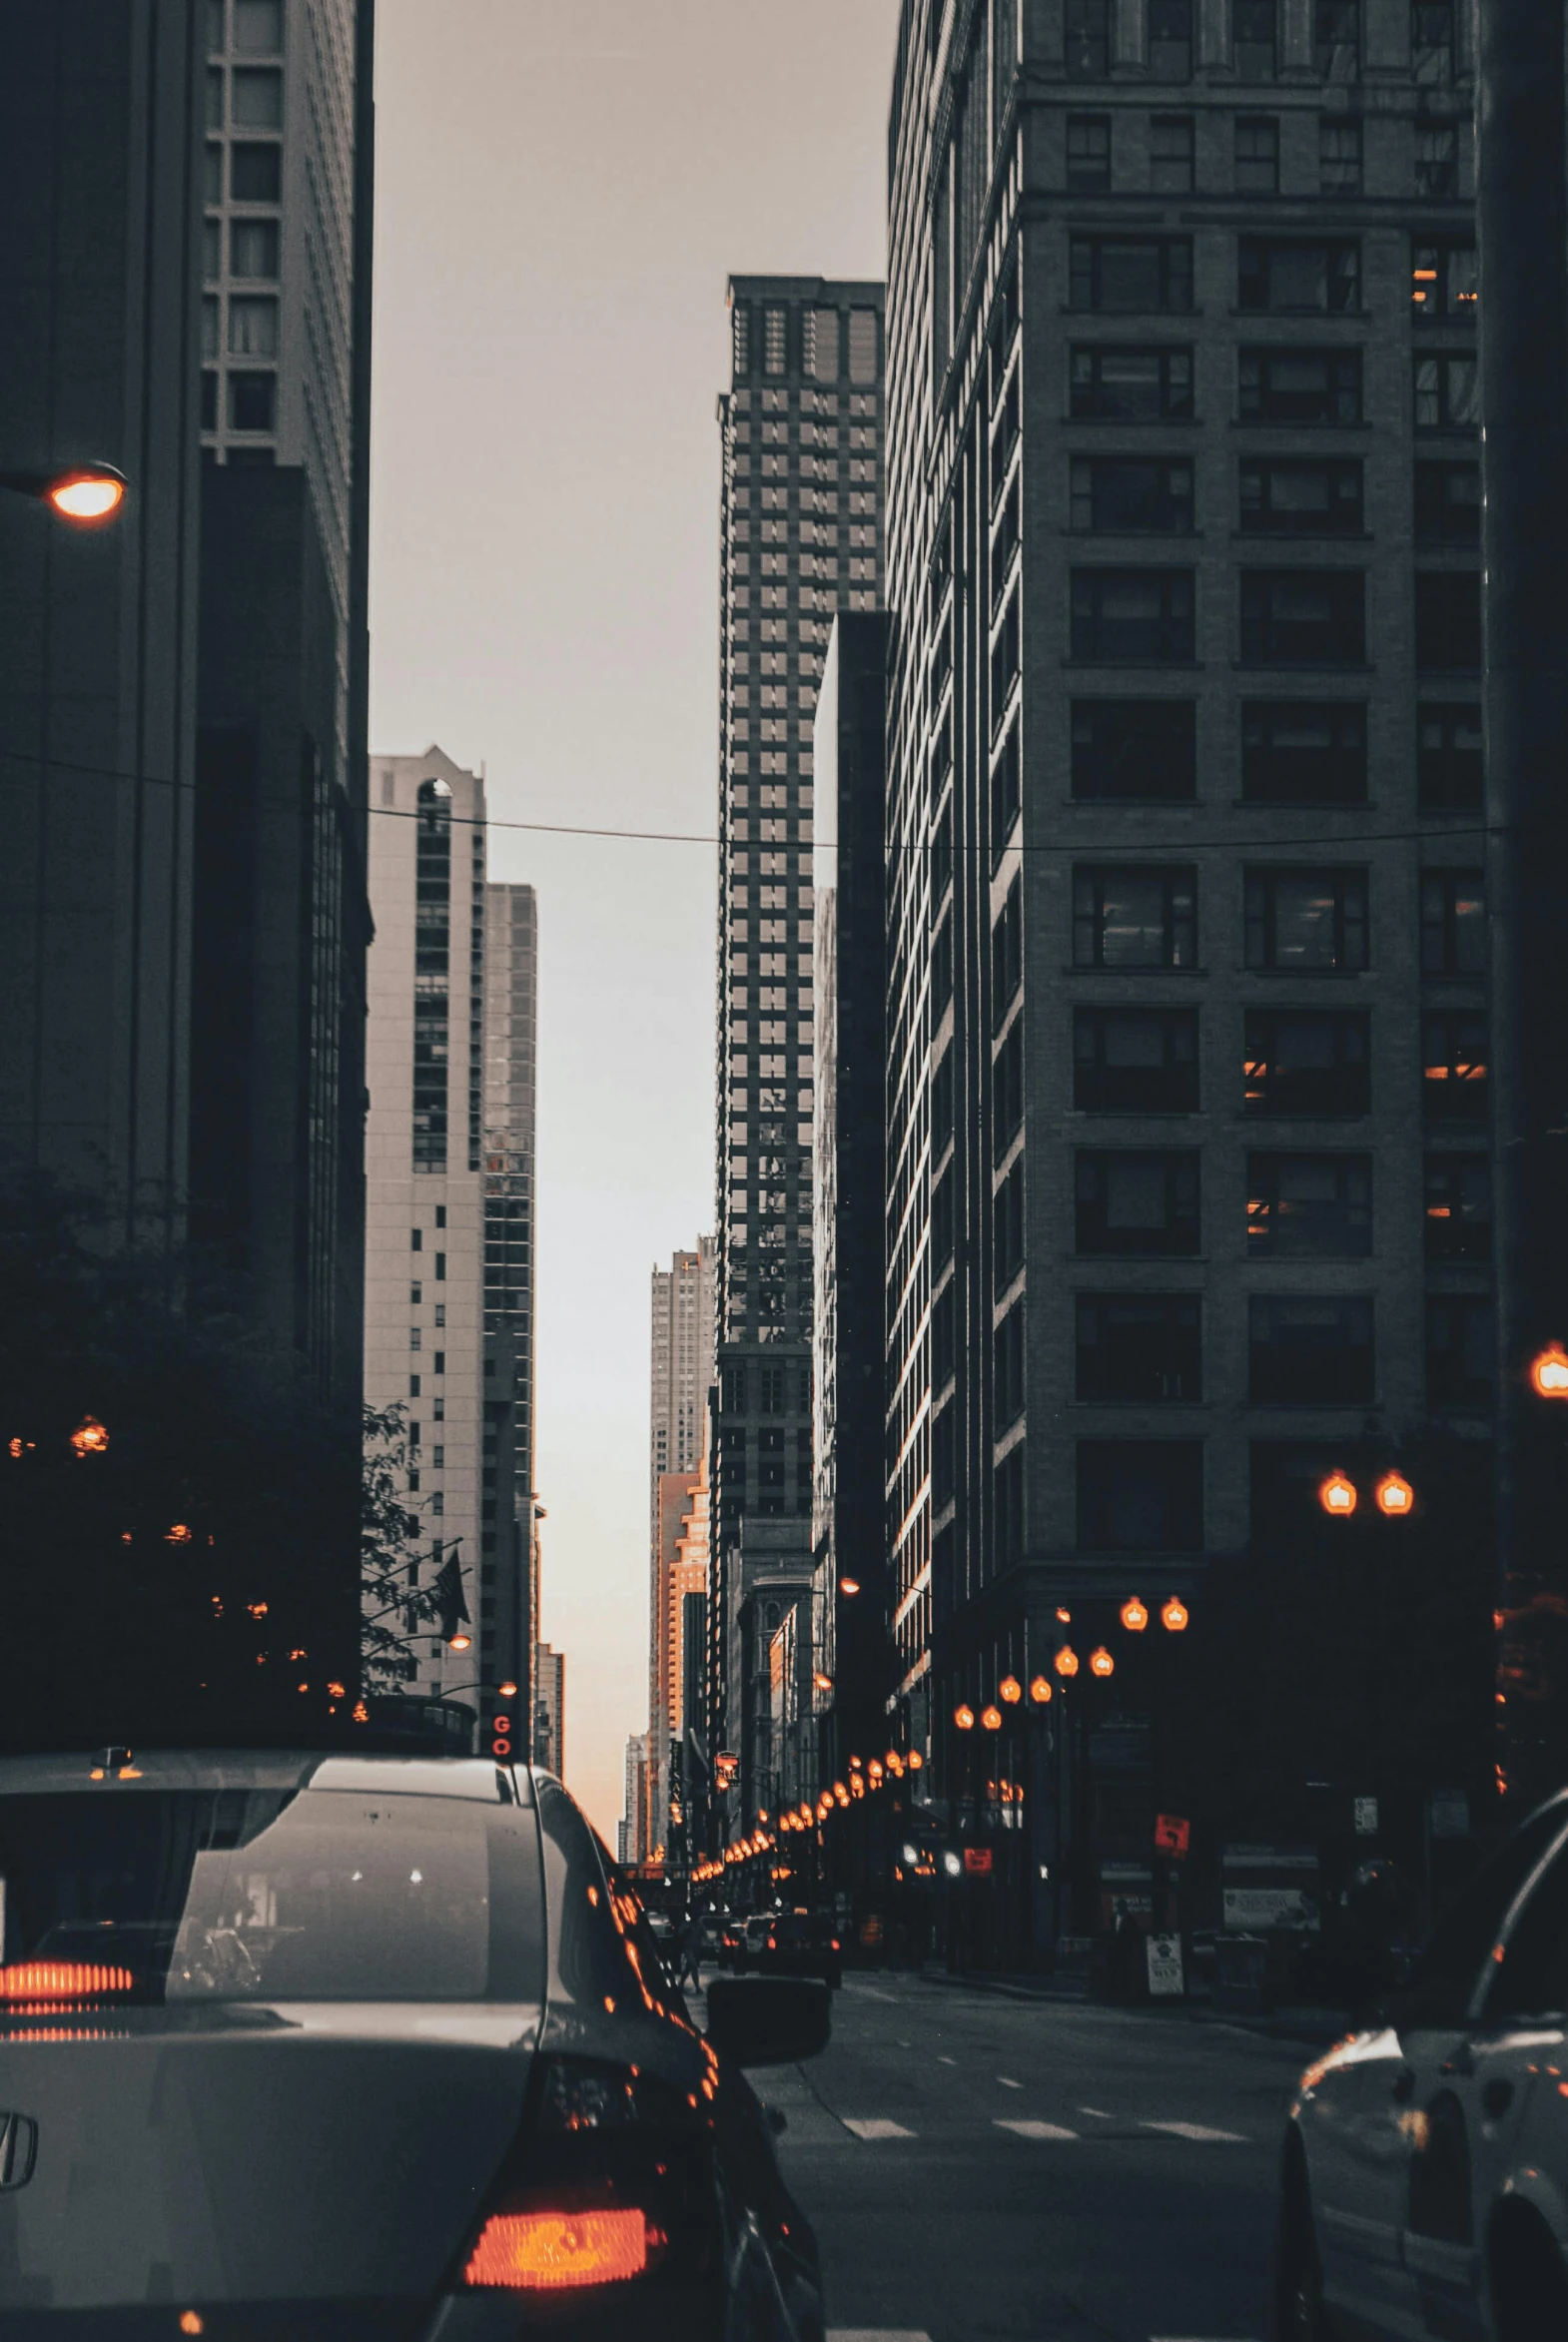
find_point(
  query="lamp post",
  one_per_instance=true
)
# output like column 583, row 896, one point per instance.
column 83, row 493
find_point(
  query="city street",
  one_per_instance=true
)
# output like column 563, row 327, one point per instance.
column 978, row 2165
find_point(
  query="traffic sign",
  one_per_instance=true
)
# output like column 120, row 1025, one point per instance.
column 976, row 1861
column 1172, row 1833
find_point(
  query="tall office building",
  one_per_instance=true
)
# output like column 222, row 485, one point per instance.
column 680, row 1380
column 1187, row 1075
column 550, row 1709
column 444, row 1339
column 801, row 518
column 630, row 1836
column 99, row 317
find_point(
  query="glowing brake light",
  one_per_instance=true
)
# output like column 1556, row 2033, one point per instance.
column 62, row 1980
column 550, row 2252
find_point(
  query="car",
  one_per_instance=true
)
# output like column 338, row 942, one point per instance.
column 1426, row 2178
column 710, row 1935
column 359, row 2044
column 753, row 1935
column 662, row 1928
column 799, row 1944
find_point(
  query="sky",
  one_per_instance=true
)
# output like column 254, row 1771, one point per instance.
column 561, row 195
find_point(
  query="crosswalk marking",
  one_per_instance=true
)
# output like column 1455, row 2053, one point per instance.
column 1198, row 2130
column 1007, row 2083
column 874, row 2126
column 1027, row 2129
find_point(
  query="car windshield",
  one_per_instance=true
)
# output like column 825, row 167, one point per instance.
column 218, row 1895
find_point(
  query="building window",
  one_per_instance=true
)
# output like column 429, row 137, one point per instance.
column 1135, row 1060
column 209, row 402
column 1449, row 503
column 1437, row 161
column 774, row 324
column 1304, row 752
column 1135, row 749
column 1433, row 41
column 1169, row 40
column 415, row 1338
column 1294, row 274
column 1088, row 153
column 1303, row 618
column 1338, row 156
column 822, row 345
column 1006, row 1346
column 215, row 99
column 1453, row 923
column 1126, row 915
column 1132, row 385
column 740, row 339
column 1306, row 922
column 1007, row 954
column 1171, row 153
column 1299, row 385
column 212, row 251
column 213, row 175
column 1447, row 394
column 256, row 99
column 1460, row 1350
column 1005, row 655
column 1455, row 1067
column 1448, row 621
column 1458, row 1200
column 1140, row 1495
column 1088, row 31
column 1256, row 155
column 1132, row 617
column 1255, row 32
column 863, row 338
column 258, row 27
column 1131, row 497
column 1445, row 279
column 252, row 402
column 1126, row 273
column 1311, row 497
column 1310, row 1350
column 253, row 247
column 1007, row 1496
column 1137, row 1201
column 254, row 173
column 1306, row 1064
column 1336, row 42
column 1144, row 1348
column 1005, row 795
column 252, row 325
column 1006, row 1230
column 1309, row 1207
column 209, row 326
column 1006, row 1090
column 1449, row 762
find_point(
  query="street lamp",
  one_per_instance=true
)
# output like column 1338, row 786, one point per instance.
column 1396, row 1496
column 963, row 1717
column 1134, row 1614
column 1065, row 1661
column 83, row 493
column 1549, row 1372
column 1173, row 1617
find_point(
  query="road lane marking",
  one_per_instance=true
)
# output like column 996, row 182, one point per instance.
column 1034, row 2130
column 876, row 2334
column 1097, row 2112
column 874, row 2126
column 940, row 2060
column 1198, row 2130
column 1007, row 2083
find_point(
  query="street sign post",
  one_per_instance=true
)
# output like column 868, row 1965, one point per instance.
column 1172, row 1833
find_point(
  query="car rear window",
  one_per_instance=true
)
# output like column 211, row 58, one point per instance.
column 264, row 1894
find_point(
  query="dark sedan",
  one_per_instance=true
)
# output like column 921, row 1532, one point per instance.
column 799, row 1944
column 299, row 2045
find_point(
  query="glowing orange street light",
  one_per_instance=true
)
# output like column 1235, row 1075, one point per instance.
column 179, row 1535
column 1175, row 1616
column 89, row 1437
column 824, row 1683
column 1011, row 1690
column 83, row 493
column 459, row 1642
column 915, row 1760
column 1337, row 1497
column 1549, row 1372
column 990, row 1718
column 1396, row 1496
column 1100, row 1663
column 1067, row 1659
column 1040, row 1691
column 963, row 1717
column 1134, row 1617
column 1066, row 1617
column 849, row 1585
column 508, row 1691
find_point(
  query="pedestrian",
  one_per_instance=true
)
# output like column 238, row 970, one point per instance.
column 691, row 1954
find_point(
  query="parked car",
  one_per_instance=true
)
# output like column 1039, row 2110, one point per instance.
column 662, row 1928
column 753, row 1935
column 800, row 1944
column 368, row 2044
column 1425, row 2182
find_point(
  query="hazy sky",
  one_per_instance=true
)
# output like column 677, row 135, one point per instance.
column 561, row 193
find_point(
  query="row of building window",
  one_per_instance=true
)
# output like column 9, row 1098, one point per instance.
column 1255, row 40
column 1287, row 619
column 1293, row 389
column 777, row 339
column 1298, row 1063
column 1298, row 919
column 1276, row 495
column 1167, row 166
column 1301, row 276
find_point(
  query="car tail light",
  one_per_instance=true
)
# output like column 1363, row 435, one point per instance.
column 835, row 1944
column 609, row 2181
column 773, row 1943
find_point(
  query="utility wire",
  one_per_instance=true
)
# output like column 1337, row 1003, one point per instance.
column 1143, row 846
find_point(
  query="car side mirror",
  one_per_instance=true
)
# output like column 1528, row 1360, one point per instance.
column 769, row 2020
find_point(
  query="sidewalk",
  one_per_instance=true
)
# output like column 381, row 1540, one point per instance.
column 1313, row 2026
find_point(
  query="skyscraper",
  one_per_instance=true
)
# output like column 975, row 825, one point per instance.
column 680, row 1379
column 509, row 1573
column 801, row 520
column 1187, row 1009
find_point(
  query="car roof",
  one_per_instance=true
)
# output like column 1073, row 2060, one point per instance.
column 60, row 1771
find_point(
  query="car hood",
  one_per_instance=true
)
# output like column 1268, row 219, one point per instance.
column 250, row 2153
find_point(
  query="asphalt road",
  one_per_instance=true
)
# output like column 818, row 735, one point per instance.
column 980, row 2168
